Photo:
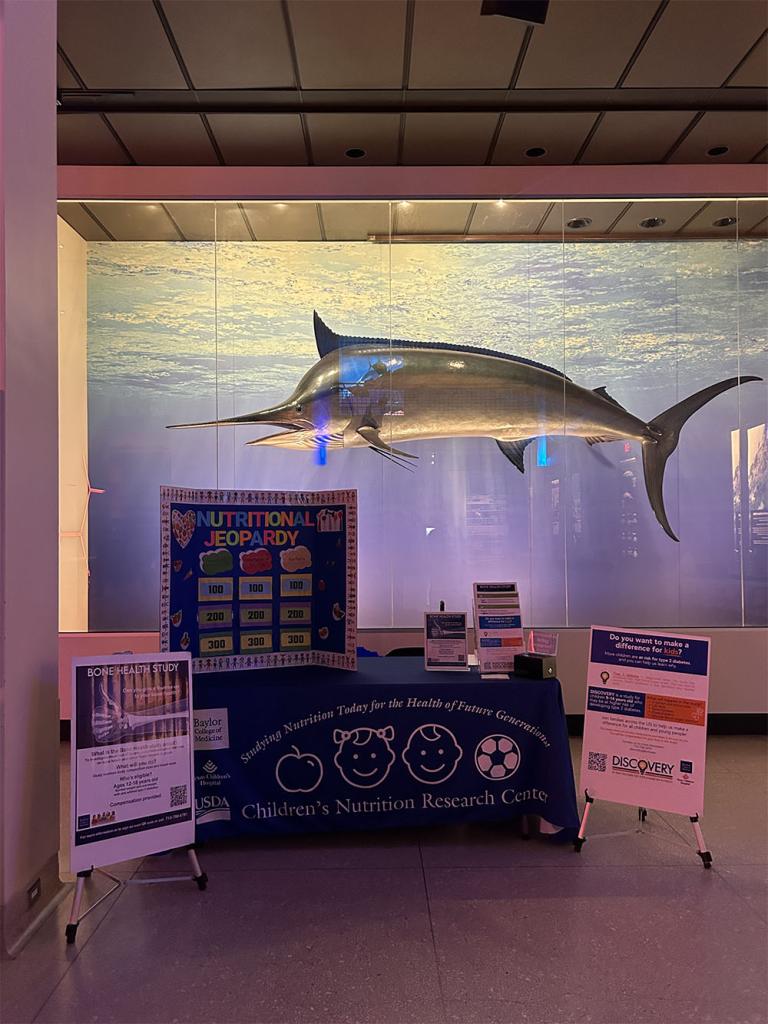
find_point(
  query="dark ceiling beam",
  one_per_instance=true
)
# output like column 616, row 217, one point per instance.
column 387, row 101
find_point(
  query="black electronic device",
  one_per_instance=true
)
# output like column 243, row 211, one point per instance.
column 536, row 666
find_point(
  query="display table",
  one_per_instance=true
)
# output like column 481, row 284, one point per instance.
column 313, row 749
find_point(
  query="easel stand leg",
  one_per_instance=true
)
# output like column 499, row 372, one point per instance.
column 197, row 872
column 581, row 837
column 75, row 917
column 703, row 852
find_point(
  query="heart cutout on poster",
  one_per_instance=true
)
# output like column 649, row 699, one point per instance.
column 183, row 526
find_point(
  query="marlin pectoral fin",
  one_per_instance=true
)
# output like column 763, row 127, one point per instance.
column 515, row 451
column 373, row 439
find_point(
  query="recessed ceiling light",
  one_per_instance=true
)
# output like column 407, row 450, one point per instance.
column 717, row 151
column 652, row 222
column 404, row 204
column 723, row 222
column 280, row 206
column 535, row 151
column 355, row 154
column 579, row 222
column 501, row 202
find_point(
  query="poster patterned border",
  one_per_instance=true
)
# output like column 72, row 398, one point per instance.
column 301, row 499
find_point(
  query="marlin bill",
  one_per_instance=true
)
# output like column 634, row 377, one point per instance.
column 375, row 393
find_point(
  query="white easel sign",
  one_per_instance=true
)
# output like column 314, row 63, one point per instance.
column 132, row 757
column 645, row 722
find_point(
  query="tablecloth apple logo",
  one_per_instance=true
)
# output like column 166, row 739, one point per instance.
column 431, row 754
column 364, row 757
column 497, row 757
column 299, row 773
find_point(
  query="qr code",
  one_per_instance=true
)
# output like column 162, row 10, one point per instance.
column 597, row 762
column 178, row 796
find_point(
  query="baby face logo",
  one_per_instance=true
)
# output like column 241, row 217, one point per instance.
column 364, row 756
column 431, row 754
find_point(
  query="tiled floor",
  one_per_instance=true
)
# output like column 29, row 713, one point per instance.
column 458, row 925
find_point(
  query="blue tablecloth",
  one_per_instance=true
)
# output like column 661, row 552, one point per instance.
column 312, row 749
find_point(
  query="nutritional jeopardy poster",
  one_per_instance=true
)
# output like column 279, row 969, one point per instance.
column 258, row 579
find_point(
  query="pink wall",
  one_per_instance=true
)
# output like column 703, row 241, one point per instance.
column 647, row 180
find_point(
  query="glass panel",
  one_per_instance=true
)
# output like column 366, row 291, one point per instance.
column 204, row 312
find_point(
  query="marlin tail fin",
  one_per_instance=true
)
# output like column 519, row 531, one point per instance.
column 663, row 435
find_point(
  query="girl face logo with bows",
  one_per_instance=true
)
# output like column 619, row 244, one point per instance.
column 364, row 756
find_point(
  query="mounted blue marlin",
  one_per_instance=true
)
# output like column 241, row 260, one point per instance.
column 373, row 393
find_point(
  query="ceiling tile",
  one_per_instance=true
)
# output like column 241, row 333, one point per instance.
column 78, row 218
column 744, row 132
column 116, row 45
column 448, row 138
column 431, row 218
column 196, row 221
column 333, row 134
column 232, row 44
column 85, row 139
column 346, row 44
column 754, row 71
column 584, row 43
column 355, row 221
column 560, row 134
column 635, row 137
column 703, row 223
column 231, row 225
column 259, row 139
column 64, row 77
column 752, row 213
column 602, row 216
column 507, row 218
column 674, row 216
column 136, row 222
column 167, row 139
column 483, row 50
column 697, row 44
column 284, row 222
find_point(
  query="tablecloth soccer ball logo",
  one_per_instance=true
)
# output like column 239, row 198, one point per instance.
column 497, row 757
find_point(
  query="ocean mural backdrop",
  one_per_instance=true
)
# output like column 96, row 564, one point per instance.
column 183, row 331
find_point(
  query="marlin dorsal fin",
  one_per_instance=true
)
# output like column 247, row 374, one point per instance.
column 328, row 341
column 609, row 398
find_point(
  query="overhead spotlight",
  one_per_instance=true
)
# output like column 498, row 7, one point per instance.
column 404, row 204
column 280, row 206
column 355, row 154
column 717, row 151
column 579, row 222
column 535, row 151
column 723, row 222
column 501, row 203
column 652, row 222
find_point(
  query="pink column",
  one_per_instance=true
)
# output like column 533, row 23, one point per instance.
column 29, row 718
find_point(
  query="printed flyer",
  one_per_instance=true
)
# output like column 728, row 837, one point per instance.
column 498, row 626
column 645, row 726
column 445, row 641
column 132, row 757
column 258, row 579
